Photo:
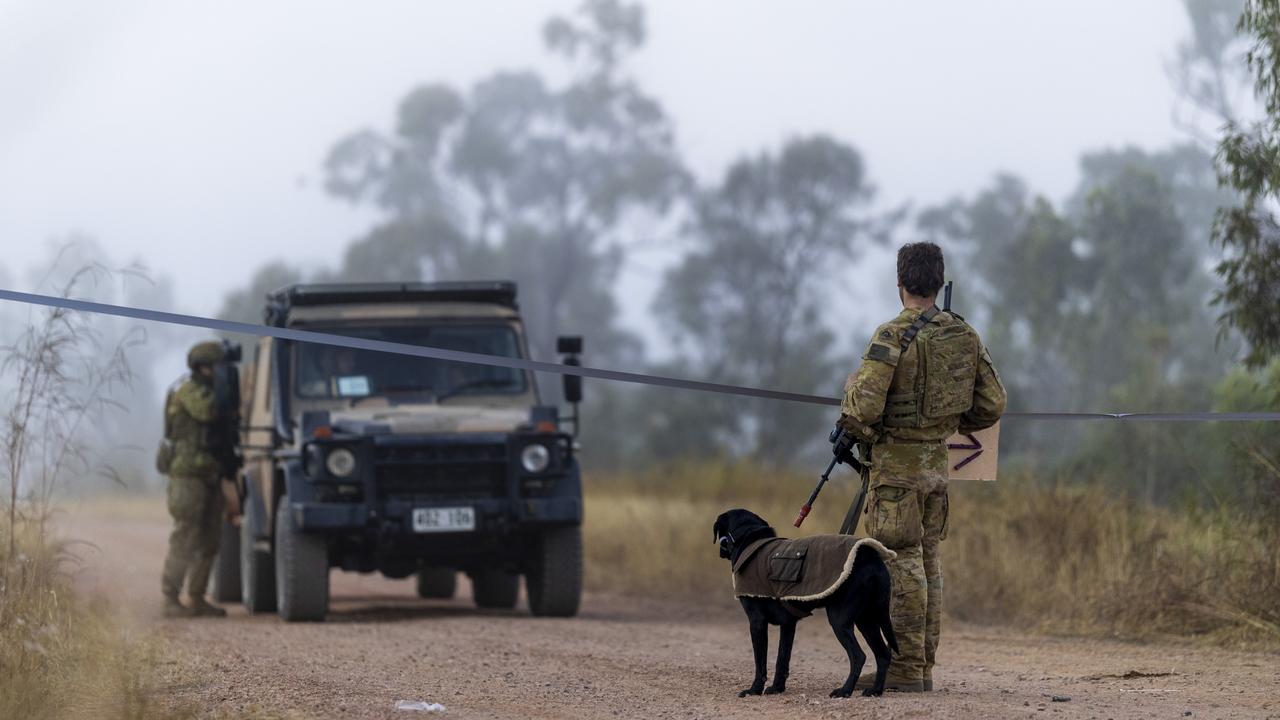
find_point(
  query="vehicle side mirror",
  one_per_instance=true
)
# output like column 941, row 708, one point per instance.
column 572, row 384
column 571, row 347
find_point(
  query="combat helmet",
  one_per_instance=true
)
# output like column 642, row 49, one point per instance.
column 204, row 353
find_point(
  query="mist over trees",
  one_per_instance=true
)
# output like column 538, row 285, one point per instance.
column 518, row 178
column 1099, row 301
column 745, row 304
column 97, row 368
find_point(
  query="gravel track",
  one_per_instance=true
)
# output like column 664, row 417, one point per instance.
column 622, row 657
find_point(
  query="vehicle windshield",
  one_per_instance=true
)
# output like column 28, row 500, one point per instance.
column 326, row 371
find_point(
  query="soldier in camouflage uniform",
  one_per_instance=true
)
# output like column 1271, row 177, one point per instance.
column 924, row 376
column 194, row 492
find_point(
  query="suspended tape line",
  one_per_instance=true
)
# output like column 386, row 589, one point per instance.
column 311, row 336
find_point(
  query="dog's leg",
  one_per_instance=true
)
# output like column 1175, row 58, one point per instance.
column 760, row 646
column 870, row 630
column 841, row 620
column 783, row 669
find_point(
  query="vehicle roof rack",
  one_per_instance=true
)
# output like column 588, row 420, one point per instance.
column 494, row 292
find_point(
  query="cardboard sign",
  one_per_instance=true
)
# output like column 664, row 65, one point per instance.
column 974, row 456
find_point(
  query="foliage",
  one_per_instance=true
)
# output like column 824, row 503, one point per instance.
column 1249, row 163
column 521, row 179
column 1253, row 449
column 747, row 304
column 1205, row 69
column 63, row 375
column 246, row 304
column 1185, row 169
column 62, row 378
column 1098, row 307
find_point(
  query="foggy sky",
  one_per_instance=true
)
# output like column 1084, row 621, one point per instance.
column 191, row 135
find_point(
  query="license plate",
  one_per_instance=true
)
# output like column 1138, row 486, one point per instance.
column 449, row 519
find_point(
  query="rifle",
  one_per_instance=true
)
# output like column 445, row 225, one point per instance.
column 225, row 433
column 842, row 452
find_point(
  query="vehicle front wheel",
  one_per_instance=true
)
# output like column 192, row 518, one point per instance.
column 437, row 583
column 257, row 574
column 302, row 570
column 554, row 576
column 226, row 569
column 495, row 589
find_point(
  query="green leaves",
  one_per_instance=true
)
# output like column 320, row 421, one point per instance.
column 1248, row 160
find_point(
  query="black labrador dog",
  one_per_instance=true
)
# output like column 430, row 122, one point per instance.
column 861, row 600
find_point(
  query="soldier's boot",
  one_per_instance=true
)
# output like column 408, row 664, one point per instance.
column 201, row 608
column 175, row 609
column 905, row 685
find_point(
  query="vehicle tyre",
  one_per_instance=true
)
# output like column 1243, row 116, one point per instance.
column 257, row 574
column 495, row 589
column 437, row 583
column 226, row 569
column 302, row 570
column 554, row 575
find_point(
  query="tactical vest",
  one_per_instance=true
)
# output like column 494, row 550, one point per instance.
column 180, row 427
column 946, row 371
column 187, row 449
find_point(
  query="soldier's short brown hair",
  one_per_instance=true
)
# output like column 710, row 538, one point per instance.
column 920, row 268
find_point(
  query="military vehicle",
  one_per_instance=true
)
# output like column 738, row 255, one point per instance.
column 378, row 462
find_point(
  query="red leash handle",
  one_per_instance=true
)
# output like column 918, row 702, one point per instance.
column 804, row 513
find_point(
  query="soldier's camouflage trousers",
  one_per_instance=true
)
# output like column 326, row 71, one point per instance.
column 196, row 508
column 907, row 511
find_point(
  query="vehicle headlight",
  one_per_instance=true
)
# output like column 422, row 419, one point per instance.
column 340, row 462
column 535, row 458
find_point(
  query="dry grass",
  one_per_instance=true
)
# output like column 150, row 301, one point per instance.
column 61, row 657
column 651, row 533
column 1050, row 558
column 1086, row 561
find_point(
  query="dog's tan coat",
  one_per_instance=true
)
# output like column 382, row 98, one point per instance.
column 828, row 562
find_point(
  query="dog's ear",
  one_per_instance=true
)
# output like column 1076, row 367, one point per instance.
column 718, row 530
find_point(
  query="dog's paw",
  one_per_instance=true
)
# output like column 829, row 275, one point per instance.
column 841, row 692
column 775, row 690
column 872, row 692
column 753, row 690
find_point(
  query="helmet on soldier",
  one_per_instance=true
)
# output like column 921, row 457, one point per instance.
column 205, row 353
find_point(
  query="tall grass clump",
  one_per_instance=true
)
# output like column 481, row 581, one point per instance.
column 1061, row 558
column 59, row 656
column 1088, row 560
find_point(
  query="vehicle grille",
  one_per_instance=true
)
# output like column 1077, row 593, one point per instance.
column 443, row 471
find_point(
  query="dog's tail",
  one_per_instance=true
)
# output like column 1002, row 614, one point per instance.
column 886, row 628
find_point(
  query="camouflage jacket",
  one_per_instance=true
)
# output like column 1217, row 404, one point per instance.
column 890, row 375
column 189, row 412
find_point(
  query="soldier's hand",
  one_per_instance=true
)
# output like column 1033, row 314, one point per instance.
column 841, row 442
column 230, row 502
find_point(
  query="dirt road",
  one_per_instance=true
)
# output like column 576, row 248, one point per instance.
column 623, row 657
